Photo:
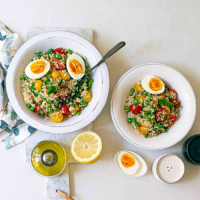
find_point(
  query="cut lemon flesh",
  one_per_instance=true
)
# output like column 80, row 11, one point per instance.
column 86, row 147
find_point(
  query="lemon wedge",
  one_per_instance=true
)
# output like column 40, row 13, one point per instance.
column 86, row 147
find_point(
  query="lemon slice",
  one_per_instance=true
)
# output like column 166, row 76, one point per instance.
column 86, row 147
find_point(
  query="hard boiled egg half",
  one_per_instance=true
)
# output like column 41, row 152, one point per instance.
column 128, row 164
column 37, row 69
column 153, row 84
column 75, row 66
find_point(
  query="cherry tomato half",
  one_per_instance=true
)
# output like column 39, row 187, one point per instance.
column 63, row 92
column 59, row 64
column 59, row 51
column 176, row 103
column 174, row 93
column 135, row 109
column 37, row 107
column 64, row 109
column 161, row 114
column 172, row 118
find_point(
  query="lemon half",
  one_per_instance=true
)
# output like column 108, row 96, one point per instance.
column 86, row 147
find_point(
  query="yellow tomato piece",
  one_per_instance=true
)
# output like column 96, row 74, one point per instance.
column 64, row 75
column 55, row 74
column 155, row 103
column 87, row 96
column 139, row 87
column 57, row 116
column 162, row 96
column 38, row 85
column 76, row 109
column 143, row 129
column 141, row 98
column 167, row 108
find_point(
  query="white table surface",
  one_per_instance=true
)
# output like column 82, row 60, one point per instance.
column 155, row 31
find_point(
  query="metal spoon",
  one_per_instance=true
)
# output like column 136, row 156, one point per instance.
column 110, row 53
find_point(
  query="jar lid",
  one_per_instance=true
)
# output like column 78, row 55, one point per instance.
column 48, row 158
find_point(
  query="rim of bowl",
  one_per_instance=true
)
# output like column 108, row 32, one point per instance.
column 38, row 173
column 187, row 146
column 35, row 123
column 113, row 117
column 159, row 161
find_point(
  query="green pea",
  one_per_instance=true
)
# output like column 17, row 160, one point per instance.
column 32, row 109
column 154, row 121
column 152, row 114
column 59, row 56
column 70, row 78
column 28, row 79
column 46, row 79
column 146, row 135
column 155, row 129
column 31, row 60
column 158, row 125
column 89, row 84
column 31, row 88
column 35, row 93
column 86, row 66
column 146, row 102
column 55, row 109
column 168, row 97
column 133, row 120
column 42, row 112
column 77, row 113
column 73, row 90
column 49, row 101
column 151, row 99
column 73, row 105
column 91, row 80
column 150, row 95
column 39, row 104
column 82, row 103
column 85, row 80
column 34, row 102
column 22, row 78
column 50, row 51
column 140, row 115
column 33, row 83
column 136, row 124
column 77, row 82
column 163, row 131
column 151, row 106
column 135, row 101
column 132, row 90
column 70, row 51
column 146, row 93
column 147, row 112
column 161, row 124
column 78, row 95
column 156, row 133
column 48, row 105
column 51, row 111
column 166, row 90
column 49, row 82
column 28, row 105
column 162, row 117
column 63, row 84
column 85, row 104
column 48, row 76
column 129, row 120
column 41, row 97
column 53, row 56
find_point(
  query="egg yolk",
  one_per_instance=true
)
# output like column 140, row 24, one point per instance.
column 127, row 160
column 75, row 67
column 38, row 67
column 155, row 84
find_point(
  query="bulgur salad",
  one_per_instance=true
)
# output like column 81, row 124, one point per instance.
column 152, row 107
column 52, row 76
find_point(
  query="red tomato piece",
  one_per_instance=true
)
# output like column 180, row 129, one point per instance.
column 161, row 112
column 135, row 109
column 37, row 107
column 174, row 93
column 63, row 92
column 64, row 109
column 176, row 103
column 59, row 51
column 172, row 118
column 59, row 64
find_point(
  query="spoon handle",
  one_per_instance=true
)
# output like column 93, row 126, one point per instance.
column 63, row 195
column 116, row 48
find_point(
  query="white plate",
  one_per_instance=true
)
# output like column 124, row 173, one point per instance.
column 175, row 80
column 142, row 164
column 53, row 40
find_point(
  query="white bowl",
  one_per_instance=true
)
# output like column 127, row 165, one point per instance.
column 53, row 40
column 185, row 94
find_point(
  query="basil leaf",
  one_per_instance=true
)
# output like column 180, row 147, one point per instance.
column 39, row 54
column 161, row 101
column 52, row 89
column 167, row 103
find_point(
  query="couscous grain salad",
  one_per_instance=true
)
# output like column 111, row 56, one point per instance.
column 152, row 114
column 52, row 76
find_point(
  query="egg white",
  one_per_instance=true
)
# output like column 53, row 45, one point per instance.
column 145, row 85
column 130, row 170
column 31, row 75
column 80, row 60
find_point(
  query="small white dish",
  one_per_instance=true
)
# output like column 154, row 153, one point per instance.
column 175, row 80
column 168, row 168
column 142, row 164
column 53, row 40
